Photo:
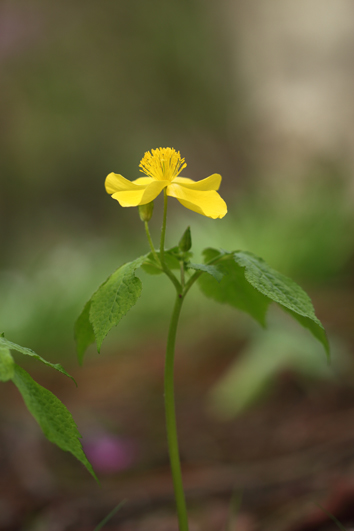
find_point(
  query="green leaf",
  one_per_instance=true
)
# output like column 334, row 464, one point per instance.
column 6, row 364
column 83, row 330
column 29, row 352
column 84, row 334
column 214, row 271
column 283, row 291
column 114, row 299
column 233, row 288
column 53, row 417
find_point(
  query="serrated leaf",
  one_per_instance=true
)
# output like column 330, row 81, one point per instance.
column 6, row 364
column 214, row 271
column 233, row 288
column 283, row 291
column 53, row 417
column 114, row 299
column 29, row 352
column 83, row 332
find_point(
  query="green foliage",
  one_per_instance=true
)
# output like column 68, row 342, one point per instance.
column 5, row 343
column 284, row 347
column 114, row 299
column 151, row 267
column 52, row 416
column 172, row 258
column 185, row 242
column 108, row 305
column 6, row 364
column 83, row 332
column 283, row 291
column 214, row 271
column 233, row 289
column 250, row 284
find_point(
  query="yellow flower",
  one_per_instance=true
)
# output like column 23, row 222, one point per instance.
column 162, row 167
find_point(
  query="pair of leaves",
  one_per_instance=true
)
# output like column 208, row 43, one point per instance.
column 118, row 294
column 240, row 279
column 250, row 285
column 52, row 416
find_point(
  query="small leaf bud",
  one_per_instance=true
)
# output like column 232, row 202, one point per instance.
column 185, row 242
column 145, row 211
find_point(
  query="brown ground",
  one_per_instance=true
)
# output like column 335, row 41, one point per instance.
column 285, row 455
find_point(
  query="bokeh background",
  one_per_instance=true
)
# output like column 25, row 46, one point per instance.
column 260, row 92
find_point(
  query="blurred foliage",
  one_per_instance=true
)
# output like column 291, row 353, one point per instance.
column 284, row 348
column 42, row 297
column 86, row 89
column 306, row 232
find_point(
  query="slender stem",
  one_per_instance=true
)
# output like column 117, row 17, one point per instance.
column 151, row 243
column 163, row 230
column 197, row 274
column 171, row 418
column 182, row 274
column 167, row 271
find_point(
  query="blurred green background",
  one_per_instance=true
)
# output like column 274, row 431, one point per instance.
column 87, row 88
column 261, row 93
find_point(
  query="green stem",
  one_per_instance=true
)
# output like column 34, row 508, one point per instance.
column 182, row 274
column 167, row 271
column 163, row 230
column 151, row 243
column 197, row 274
column 171, row 418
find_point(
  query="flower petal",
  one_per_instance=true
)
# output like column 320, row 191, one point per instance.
column 117, row 183
column 210, row 183
column 143, row 180
column 140, row 195
column 208, row 203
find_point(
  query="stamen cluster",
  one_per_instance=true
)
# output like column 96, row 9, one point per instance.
column 163, row 164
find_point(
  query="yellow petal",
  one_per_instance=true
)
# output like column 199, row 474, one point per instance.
column 143, row 180
column 208, row 203
column 210, row 183
column 117, row 183
column 140, row 195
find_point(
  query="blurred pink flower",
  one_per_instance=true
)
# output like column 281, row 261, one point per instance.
column 109, row 453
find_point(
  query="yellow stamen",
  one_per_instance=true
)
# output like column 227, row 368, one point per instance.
column 163, row 164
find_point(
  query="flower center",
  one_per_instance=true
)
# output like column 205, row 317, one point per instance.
column 163, row 164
